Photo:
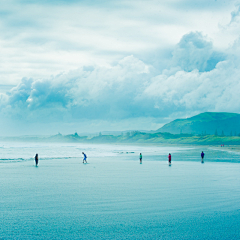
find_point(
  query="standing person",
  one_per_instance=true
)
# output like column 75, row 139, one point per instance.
column 169, row 159
column 84, row 157
column 202, row 156
column 140, row 158
column 36, row 159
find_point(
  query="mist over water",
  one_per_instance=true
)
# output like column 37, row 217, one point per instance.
column 115, row 197
column 25, row 151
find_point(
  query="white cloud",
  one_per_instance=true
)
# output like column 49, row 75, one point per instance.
column 216, row 90
column 79, row 70
column 195, row 51
column 40, row 38
column 99, row 92
column 128, row 90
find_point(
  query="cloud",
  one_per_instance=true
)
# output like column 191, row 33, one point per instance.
column 131, row 89
column 87, row 93
column 113, row 70
column 235, row 16
column 38, row 38
column 194, row 51
column 185, row 93
column 202, row 4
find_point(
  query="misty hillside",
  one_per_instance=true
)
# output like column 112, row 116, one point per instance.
column 218, row 123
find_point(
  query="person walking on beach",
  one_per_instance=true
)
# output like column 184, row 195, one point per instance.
column 140, row 158
column 169, row 159
column 84, row 157
column 36, row 159
column 202, row 156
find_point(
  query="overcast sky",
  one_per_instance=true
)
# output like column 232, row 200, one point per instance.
column 88, row 65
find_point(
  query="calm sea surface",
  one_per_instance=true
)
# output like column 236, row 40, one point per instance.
column 115, row 197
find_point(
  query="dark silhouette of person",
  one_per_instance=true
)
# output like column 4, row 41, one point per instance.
column 36, row 159
column 140, row 158
column 84, row 157
column 169, row 159
column 202, row 155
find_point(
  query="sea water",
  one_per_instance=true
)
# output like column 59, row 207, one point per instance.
column 113, row 196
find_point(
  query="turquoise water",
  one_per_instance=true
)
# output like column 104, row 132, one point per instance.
column 115, row 197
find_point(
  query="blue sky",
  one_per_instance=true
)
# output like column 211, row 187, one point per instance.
column 91, row 66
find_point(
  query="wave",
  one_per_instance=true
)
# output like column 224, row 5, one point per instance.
column 32, row 159
column 12, row 159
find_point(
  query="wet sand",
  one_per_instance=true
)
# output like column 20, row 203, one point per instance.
column 118, row 198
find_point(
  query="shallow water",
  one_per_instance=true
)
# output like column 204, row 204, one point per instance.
column 115, row 197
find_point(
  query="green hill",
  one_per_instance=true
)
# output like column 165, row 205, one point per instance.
column 218, row 123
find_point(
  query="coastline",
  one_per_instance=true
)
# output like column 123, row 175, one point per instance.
column 134, row 137
column 232, row 148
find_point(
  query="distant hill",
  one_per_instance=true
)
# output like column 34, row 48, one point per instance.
column 218, row 123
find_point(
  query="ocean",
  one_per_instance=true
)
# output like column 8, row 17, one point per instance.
column 113, row 196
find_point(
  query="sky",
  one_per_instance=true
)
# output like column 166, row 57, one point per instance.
column 88, row 66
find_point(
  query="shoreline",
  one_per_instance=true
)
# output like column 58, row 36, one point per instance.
column 226, row 147
column 232, row 148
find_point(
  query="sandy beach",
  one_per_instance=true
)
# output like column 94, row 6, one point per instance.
column 115, row 197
